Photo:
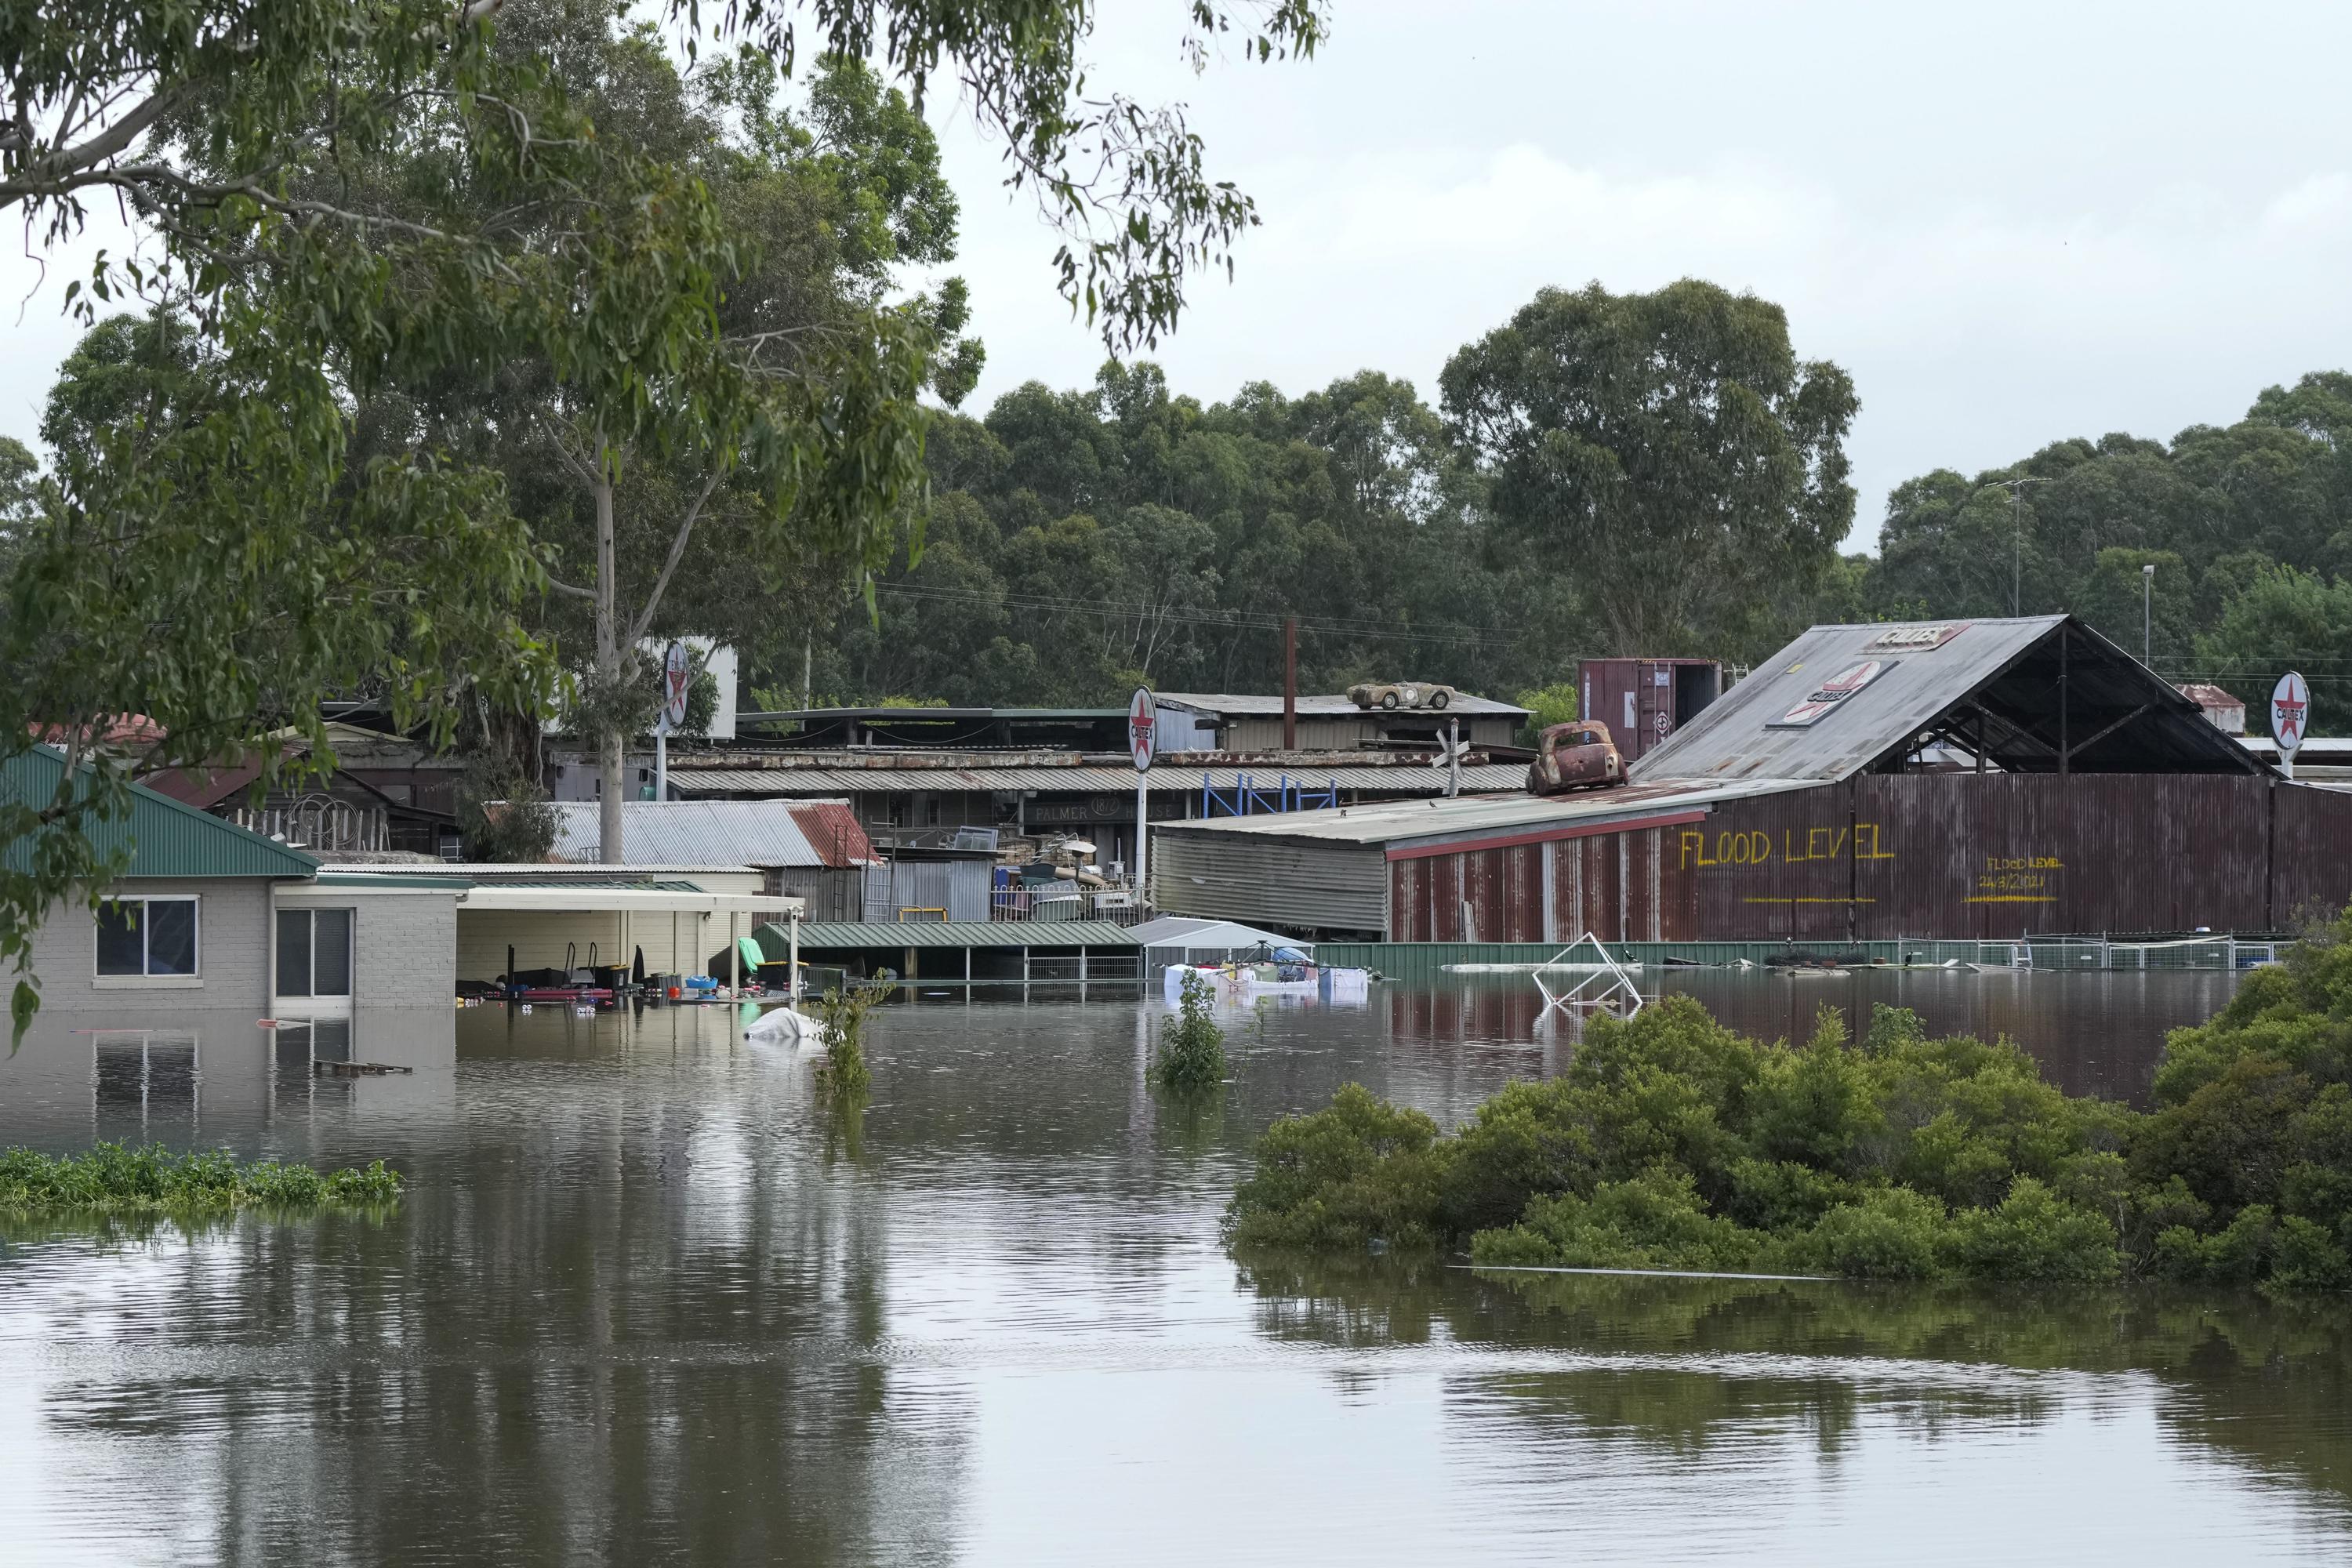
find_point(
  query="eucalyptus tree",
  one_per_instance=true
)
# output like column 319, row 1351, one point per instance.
column 1668, row 450
column 225, row 574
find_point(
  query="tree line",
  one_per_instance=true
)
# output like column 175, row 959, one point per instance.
column 1602, row 475
column 2249, row 526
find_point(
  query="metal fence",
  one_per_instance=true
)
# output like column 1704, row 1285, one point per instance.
column 2136, row 951
column 1067, row 901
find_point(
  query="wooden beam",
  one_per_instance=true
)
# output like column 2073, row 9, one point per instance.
column 2107, row 730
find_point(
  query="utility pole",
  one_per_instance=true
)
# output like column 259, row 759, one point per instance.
column 1290, row 683
column 2016, row 554
column 2148, row 615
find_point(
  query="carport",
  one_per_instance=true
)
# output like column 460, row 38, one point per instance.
column 629, row 903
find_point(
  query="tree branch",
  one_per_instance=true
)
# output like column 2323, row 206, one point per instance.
column 111, row 141
column 677, row 551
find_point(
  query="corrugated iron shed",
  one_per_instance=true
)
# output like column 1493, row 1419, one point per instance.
column 164, row 838
column 718, row 832
column 2013, row 688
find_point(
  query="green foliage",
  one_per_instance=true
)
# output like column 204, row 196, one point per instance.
column 114, row 1180
column 1192, row 1048
column 1670, row 1143
column 841, row 1030
column 504, row 813
column 1358, row 1173
column 1547, row 706
column 1671, row 444
column 1653, row 1221
column 2282, row 617
column 2245, row 525
column 374, row 222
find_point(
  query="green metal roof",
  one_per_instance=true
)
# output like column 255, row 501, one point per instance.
column 840, row 935
column 164, row 838
column 391, row 879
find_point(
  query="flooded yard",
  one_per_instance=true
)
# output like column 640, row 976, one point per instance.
column 647, row 1301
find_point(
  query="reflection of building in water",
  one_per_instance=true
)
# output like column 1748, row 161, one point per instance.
column 146, row 1085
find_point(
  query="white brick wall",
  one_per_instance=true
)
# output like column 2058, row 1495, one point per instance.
column 404, row 941
column 233, row 937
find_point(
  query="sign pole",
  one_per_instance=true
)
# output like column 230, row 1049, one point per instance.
column 1143, row 744
column 661, row 762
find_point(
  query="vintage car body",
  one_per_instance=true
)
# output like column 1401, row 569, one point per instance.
column 1391, row 695
column 1576, row 755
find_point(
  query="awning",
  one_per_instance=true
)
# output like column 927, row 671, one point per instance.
column 628, row 900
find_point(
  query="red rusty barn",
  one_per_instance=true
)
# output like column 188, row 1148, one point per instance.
column 1994, row 778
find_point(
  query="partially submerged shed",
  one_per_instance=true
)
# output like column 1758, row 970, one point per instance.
column 1985, row 779
column 970, row 950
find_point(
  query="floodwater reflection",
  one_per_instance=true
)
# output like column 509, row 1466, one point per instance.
column 647, row 1302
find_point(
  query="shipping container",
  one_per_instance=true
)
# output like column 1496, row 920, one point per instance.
column 1644, row 701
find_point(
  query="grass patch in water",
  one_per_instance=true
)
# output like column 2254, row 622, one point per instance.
column 116, row 1180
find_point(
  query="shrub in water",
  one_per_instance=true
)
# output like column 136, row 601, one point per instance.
column 1358, row 1172
column 112, row 1179
column 841, row 1029
column 1192, row 1047
column 1669, row 1141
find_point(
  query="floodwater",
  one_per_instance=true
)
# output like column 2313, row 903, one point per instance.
column 648, row 1302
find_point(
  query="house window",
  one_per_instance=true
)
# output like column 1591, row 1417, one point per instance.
column 147, row 938
column 314, row 953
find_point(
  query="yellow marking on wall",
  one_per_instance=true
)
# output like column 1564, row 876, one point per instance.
column 1857, row 841
column 2010, row 878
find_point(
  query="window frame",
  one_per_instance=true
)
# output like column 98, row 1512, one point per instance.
column 147, row 979
column 311, row 913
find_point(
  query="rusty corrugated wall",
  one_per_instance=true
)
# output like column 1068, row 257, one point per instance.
column 2311, row 854
column 1927, row 855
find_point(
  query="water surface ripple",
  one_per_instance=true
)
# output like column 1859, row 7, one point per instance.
column 647, row 1302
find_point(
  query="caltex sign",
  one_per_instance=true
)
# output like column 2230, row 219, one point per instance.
column 1830, row 692
column 1142, row 725
column 2289, row 714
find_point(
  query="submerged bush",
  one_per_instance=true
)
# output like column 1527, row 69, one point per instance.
column 1358, row 1173
column 1192, row 1047
column 113, row 1179
column 1671, row 1142
column 841, row 1030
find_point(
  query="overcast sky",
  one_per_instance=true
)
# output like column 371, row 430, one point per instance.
column 2010, row 223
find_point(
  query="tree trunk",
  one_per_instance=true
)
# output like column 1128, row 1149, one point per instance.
column 611, row 759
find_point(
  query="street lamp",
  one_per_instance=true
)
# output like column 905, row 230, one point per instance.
column 2148, row 615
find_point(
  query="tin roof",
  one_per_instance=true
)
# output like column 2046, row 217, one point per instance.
column 1841, row 697
column 164, row 838
column 1416, row 777
column 1194, row 935
column 719, row 832
column 1327, row 706
column 838, row 935
column 551, row 872
column 1486, row 817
